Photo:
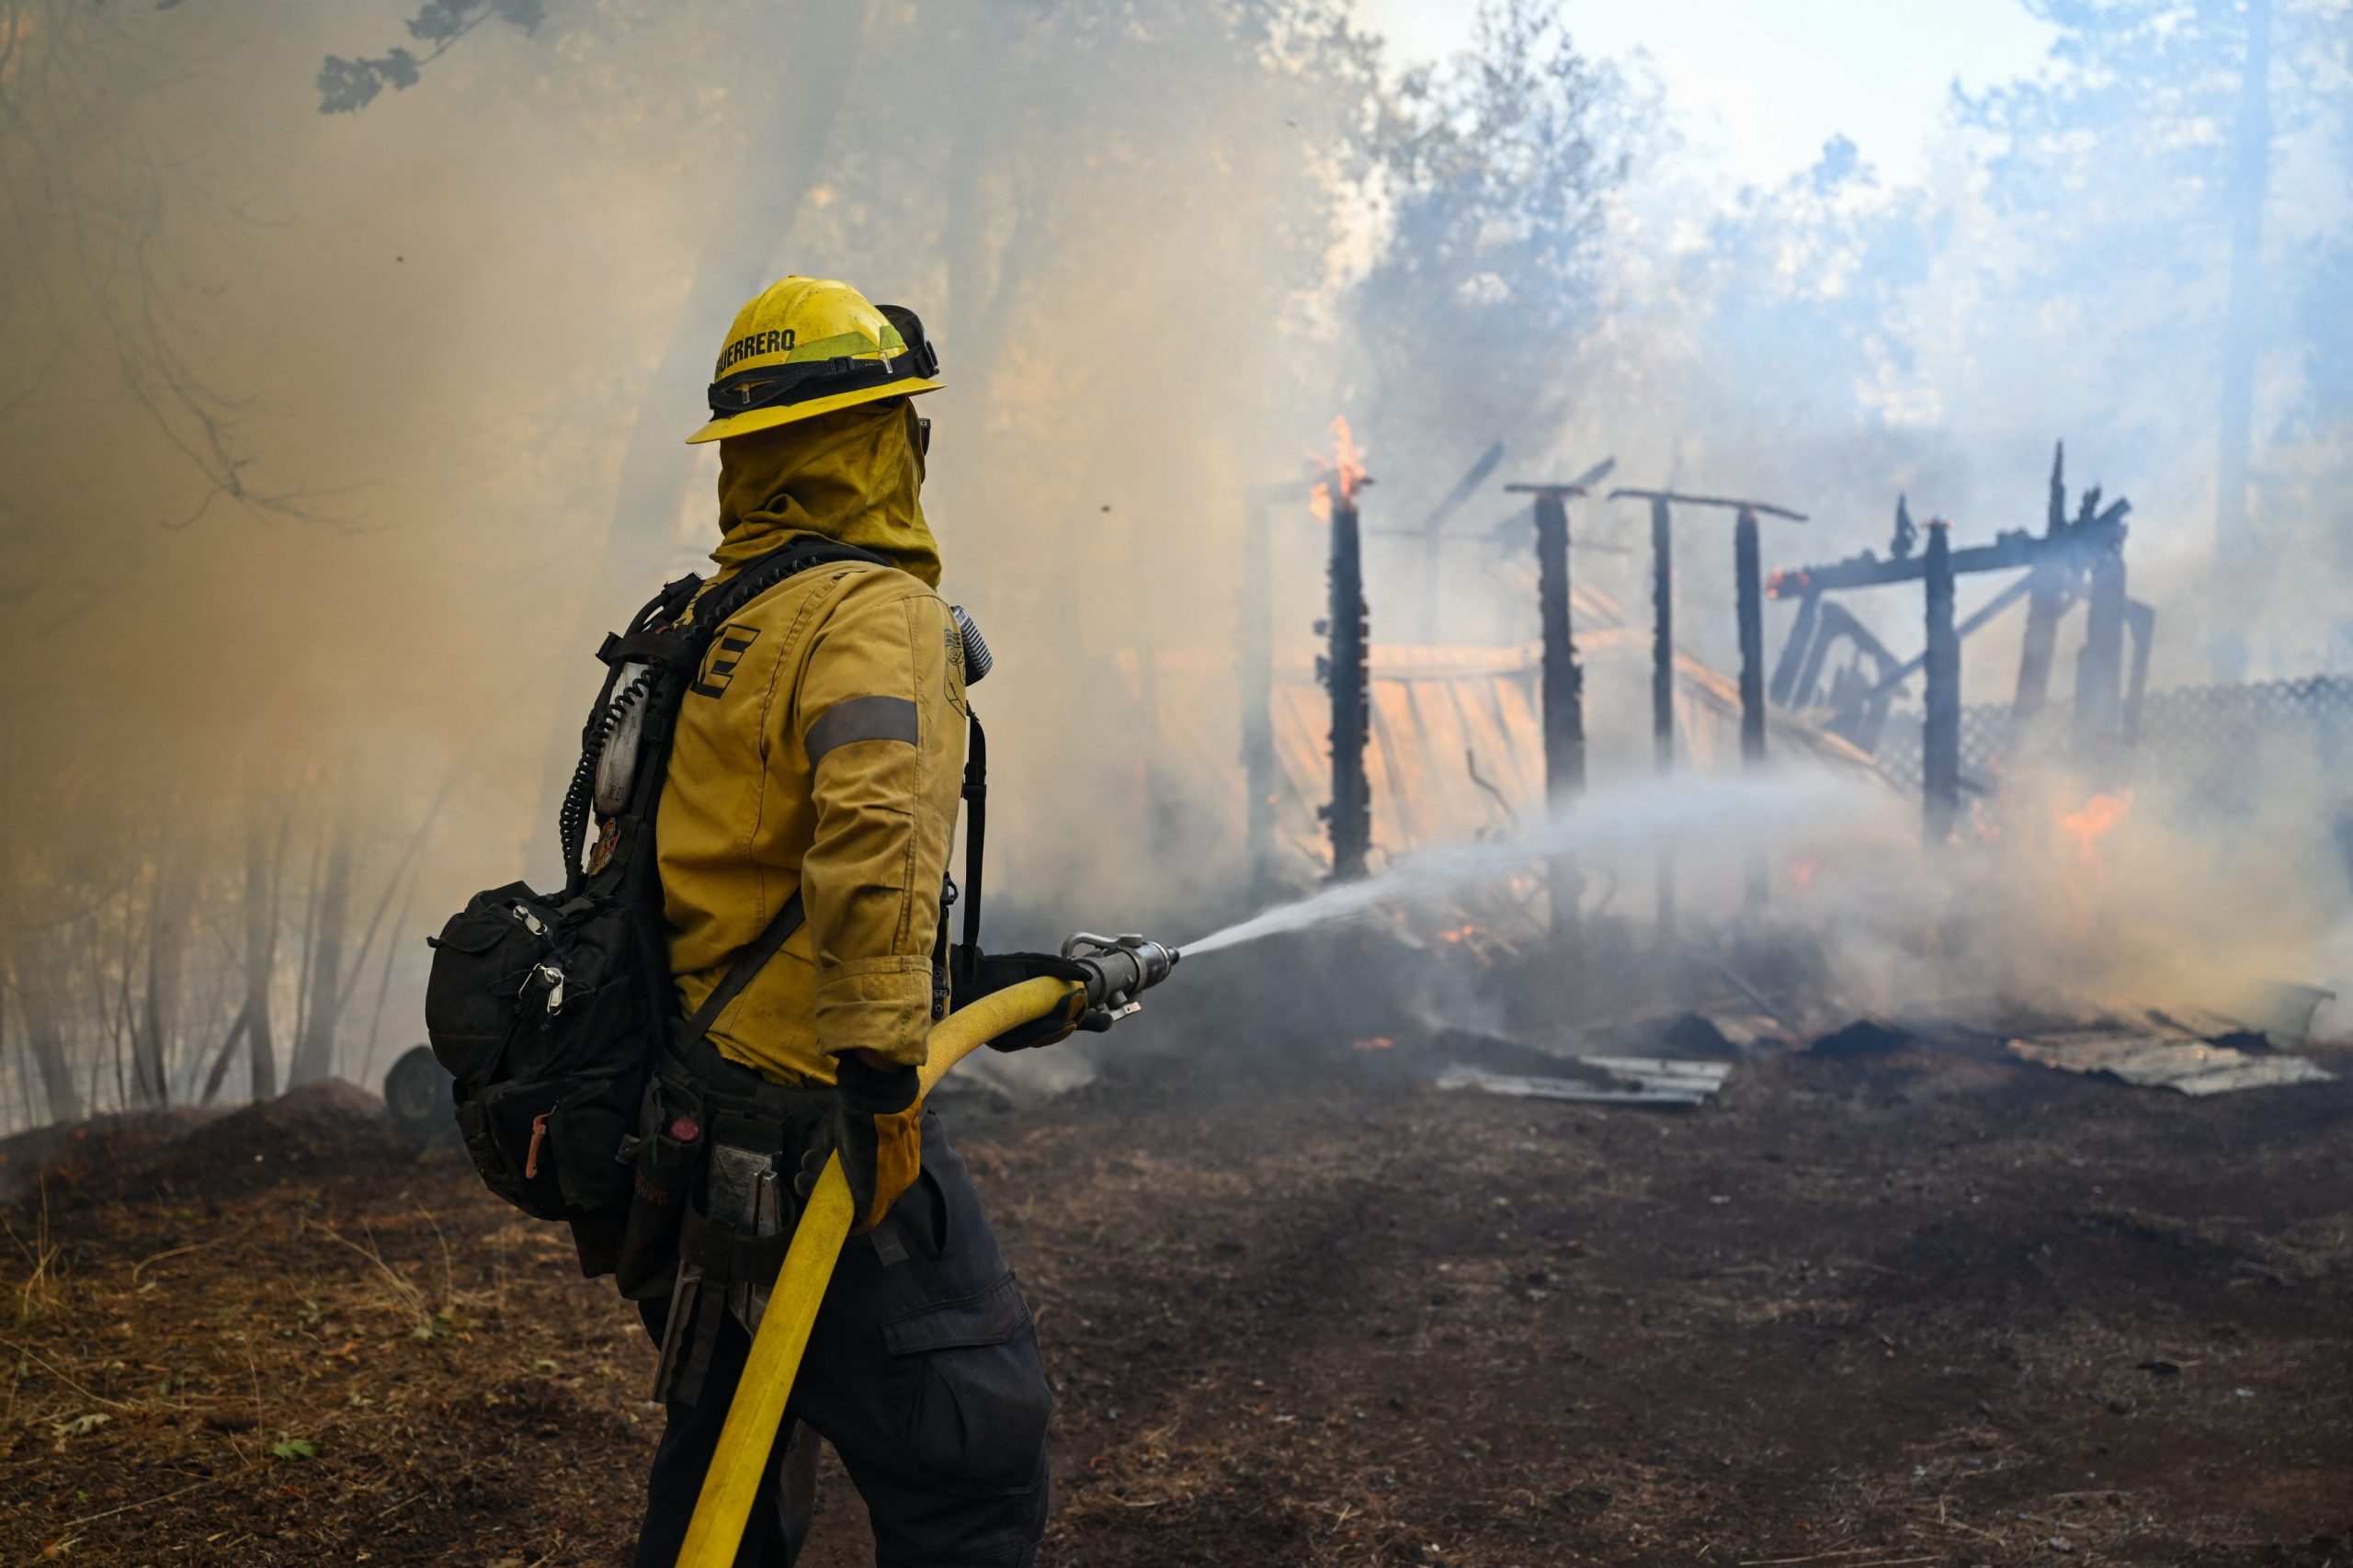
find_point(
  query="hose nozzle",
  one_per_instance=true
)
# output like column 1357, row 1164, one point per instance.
column 1119, row 969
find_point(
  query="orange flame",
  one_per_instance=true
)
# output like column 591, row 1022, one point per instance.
column 1351, row 462
column 1347, row 466
column 2090, row 821
column 1378, row 1042
column 1801, row 873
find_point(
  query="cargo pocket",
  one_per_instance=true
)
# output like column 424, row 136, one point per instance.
column 478, row 1128
column 547, row 1147
column 585, row 1133
column 979, row 1404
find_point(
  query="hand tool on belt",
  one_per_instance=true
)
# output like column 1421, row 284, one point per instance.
column 722, row 1248
column 728, row 1245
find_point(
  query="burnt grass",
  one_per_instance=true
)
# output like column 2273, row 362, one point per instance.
column 1909, row 1309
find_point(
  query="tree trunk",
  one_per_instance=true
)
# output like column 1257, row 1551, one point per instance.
column 262, row 859
column 167, row 922
column 222, row 1057
column 314, row 1044
column 43, row 1037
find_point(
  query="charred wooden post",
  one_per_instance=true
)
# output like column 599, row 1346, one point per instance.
column 2099, row 668
column 1564, row 679
column 2048, row 603
column 1257, row 642
column 1564, row 687
column 1940, row 736
column 1663, row 689
column 1563, row 698
column 1748, row 576
column 1348, row 676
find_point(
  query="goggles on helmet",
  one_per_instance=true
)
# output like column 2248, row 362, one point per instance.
column 778, row 386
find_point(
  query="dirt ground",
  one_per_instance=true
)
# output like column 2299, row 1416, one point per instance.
column 1913, row 1310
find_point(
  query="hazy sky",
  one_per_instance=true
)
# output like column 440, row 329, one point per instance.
column 1758, row 86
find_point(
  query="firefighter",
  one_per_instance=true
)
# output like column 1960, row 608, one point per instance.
column 812, row 791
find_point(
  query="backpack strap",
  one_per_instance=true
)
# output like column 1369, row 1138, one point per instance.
column 724, row 599
column 654, row 638
column 642, row 640
column 964, row 962
column 748, row 964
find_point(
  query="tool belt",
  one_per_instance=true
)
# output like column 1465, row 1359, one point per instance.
column 714, row 1212
column 713, row 1208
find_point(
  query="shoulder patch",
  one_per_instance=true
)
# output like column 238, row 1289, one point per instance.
column 953, row 640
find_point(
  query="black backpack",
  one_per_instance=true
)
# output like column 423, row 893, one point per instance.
column 551, row 1011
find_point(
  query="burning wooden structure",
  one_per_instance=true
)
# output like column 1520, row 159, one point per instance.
column 1393, row 716
column 1347, row 627
column 1455, row 746
column 2082, row 558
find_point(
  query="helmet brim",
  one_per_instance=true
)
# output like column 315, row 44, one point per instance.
column 760, row 419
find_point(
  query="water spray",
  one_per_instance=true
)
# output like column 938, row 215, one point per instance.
column 1734, row 814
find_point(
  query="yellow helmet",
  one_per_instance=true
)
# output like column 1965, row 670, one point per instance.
column 808, row 345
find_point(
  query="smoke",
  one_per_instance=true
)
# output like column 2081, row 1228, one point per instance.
column 2064, row 269
column 2082, row 902
column 334, row 441
column 318, row 425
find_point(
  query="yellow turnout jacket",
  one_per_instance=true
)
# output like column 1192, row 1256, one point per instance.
column 821, row 751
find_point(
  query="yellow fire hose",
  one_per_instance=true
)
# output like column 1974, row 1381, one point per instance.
column 750, row 1430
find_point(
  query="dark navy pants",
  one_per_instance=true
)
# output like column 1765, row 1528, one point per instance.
column 924, row 1375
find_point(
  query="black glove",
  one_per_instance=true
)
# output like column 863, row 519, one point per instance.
column 995, row 972
column 878, row 1131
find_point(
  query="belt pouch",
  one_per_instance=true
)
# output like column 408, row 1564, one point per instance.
column 667, row 1166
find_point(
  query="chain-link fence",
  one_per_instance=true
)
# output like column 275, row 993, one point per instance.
column 2214, row 747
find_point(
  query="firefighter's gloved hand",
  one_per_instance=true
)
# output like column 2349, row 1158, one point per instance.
column 878, row 1131
column 998, row 970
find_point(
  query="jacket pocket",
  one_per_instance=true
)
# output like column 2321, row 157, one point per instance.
column 979, row 1404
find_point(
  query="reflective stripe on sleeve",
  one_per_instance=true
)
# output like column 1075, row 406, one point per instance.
column 861, row 719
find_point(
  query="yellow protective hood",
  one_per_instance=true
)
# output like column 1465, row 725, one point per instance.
column 854, row 476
